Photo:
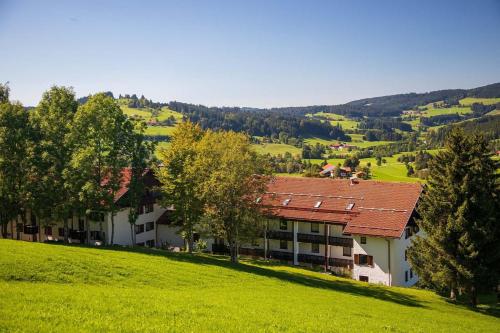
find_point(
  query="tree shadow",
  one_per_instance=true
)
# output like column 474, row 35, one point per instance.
column 248, row 266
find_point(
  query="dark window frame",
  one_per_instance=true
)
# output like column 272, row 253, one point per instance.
column 283, row 247
column 149, row 226
column 363, row 240
column 283, row 225
column 348, row 250
column 315, row 229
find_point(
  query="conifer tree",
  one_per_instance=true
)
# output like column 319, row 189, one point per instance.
column 459, row 215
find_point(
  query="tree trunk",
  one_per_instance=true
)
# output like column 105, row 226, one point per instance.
column 132, row 232
column 87, row 228
column 233, row 250
column 12, row 229
column 453, row 294
column 473, row 296
column 112, row 227
column 66, row 231
column 4, row 230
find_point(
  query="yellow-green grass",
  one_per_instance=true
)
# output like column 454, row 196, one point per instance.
column 131, row 112
column 357, row 140
column 493, row 113
column 430, row 112
column 55, row 288
column 276, row 149
column 159, row 130
column 486, row 101
column 166, row 113
column 161, row 146
column 335, row 119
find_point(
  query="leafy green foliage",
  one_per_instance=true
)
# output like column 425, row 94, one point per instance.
column 459, row 216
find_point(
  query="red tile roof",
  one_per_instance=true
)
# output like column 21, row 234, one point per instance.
column 125, row 181
column 380, row 208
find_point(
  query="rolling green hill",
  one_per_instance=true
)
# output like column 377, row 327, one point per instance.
column 56, row 288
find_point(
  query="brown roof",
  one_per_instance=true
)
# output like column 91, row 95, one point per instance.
column 379, row 208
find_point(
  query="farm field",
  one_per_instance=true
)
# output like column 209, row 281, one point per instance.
column 276, row 149
column 335, row 119
column 486, row 101
column 430, row 112
column 57, row 288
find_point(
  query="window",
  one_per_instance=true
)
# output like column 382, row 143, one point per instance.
column 61, row 232
column 408, row 232
column 150, row 243
column 317, row 204
column 81, row 224
column 314, row 248
column 283, row 225
column 349, row 206
column 96, row 235
column 363, row 260
column 139, row 229
column 315, row 227
column 411, row 273
column 406, row 255
column 148, row 208
column 150, row 226
column 363, row 240
column 363, row 278
column 286, row 202
column 346, row 251
column 283, row 244
column 48, row 231
column 406, row 276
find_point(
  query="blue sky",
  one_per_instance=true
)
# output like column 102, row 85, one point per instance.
column 248, row 53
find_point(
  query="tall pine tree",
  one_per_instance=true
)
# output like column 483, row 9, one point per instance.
column 460, row 249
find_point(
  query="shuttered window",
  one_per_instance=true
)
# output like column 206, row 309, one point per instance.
column 363, row 259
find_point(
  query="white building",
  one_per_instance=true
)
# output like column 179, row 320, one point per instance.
column 359, row 228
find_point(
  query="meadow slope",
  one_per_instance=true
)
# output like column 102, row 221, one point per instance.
column 68, row 288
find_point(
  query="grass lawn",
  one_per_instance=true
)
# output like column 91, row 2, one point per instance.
column 159, row 130
column 276, row 149
column 455, row 109
column 486, row 101
column 357, row 140
column 56, row 288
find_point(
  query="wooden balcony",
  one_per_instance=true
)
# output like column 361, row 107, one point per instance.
column 311, row 238
column 252, row 252
column 280, row 255
column 281, row 235
column 30, row 229
column 340, row 241
column 340, row 262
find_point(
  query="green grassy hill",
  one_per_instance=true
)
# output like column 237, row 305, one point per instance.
column 65, row 289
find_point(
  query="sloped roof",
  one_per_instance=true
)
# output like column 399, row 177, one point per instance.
column 378, row 208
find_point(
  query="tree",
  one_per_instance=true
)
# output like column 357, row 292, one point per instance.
column 181, row 179
column 140, row 154
column 16, row 144
column 232, row 181
column 459, row 216
column 4, row 92
column 53, row 119
column 100, row 133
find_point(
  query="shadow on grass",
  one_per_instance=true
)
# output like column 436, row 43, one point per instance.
column 345, row 286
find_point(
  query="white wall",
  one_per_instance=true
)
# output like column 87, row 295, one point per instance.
column 376, row 247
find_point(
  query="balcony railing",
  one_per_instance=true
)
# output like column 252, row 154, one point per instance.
column 340, row 241
column 30, row 229
column 311, row 259
column 220, row 249
column 252, row 252
column 280, row 255
column 281, row 235
column 311, row 238
column 340, row 262
column 78, row 234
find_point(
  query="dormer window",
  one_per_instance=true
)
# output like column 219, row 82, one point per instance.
column 317, row 204
column 286, row 202
column 349, row 206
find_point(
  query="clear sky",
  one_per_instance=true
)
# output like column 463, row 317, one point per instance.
column 248, row 53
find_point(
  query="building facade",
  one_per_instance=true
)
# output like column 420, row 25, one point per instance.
column 353, row 227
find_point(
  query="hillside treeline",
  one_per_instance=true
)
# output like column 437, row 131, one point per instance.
column 489, row 126
column 257, row 123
